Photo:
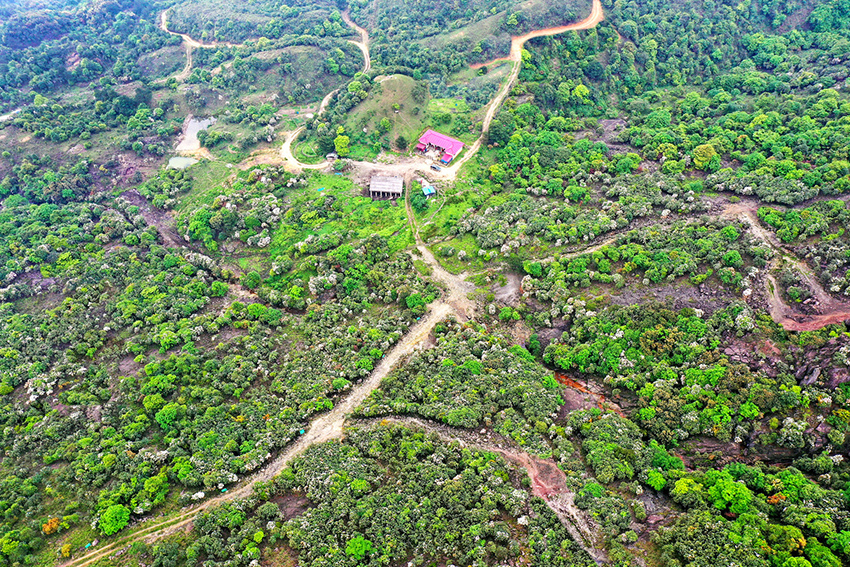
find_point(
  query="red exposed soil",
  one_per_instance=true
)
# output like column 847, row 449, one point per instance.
column 547, row 479
column 835, row 312
column 601, row 403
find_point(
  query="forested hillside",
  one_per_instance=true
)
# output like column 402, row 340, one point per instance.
column 611, row 329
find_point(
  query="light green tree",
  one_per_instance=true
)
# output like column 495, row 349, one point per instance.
column 114, row 519
column 341, row 145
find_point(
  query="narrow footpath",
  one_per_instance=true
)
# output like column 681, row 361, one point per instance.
column 830, row 309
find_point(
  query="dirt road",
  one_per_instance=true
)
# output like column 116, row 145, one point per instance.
column 288, row 157
column 10, row 115
column 548, row 482
column 163, row 25
column 363, row 44
column 330, row 425
column 189, row 44
column 326, row 426
column 286, row 149
column 791, row 320
column 831, row 310
column 517, row 42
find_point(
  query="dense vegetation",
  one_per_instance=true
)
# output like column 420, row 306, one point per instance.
column 449, row 504
column 441, row 38
column 470, row 379
column 611, row 377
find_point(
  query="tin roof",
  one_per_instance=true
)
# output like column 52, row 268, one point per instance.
column 387, row 184
column 448, row 144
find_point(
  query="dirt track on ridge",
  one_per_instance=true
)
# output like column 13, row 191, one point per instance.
column 517, row 42
column 189, row 44
column 832, row 310
column 596, row 16
column 363, row 44
column 163, row 25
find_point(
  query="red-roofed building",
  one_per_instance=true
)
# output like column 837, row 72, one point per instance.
column 447, row 145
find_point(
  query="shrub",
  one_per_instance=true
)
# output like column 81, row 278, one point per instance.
column 114, row 519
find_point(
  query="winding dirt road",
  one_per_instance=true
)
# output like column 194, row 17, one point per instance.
column 363, row 44
column 548, row 482
column 517, row 43
column 324, row 427
column 330, row 425
column 831, row 310
column 189, row 44
column 163, row 25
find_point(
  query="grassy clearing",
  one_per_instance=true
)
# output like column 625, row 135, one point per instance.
column 423, row 268
column 303, row 77
column 207, row 185
column 391, row 99
column 451, row 203
column 445, row 218
column 456, row 262
column 241, row 144
column 363, row 152
column 361, row 216
column 248, row 263
column 399, row 105
column 452, row 105
column 162, row 62
column 307, row 151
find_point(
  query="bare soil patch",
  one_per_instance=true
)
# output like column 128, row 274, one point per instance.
column 161, row 220
column 509, row 293
column 292, row 505
column 676, row 296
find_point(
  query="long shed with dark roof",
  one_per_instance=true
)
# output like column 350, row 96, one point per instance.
column 386, row 187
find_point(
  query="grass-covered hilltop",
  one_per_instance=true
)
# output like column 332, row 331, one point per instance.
column 407, row 283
